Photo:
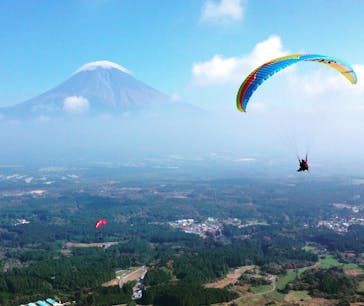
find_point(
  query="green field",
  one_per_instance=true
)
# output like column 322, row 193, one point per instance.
column 276, row 295
column 308, row 248
column 354, row 266
column 328, row 261
column 261, row 289
column 290, row 276
column 294, row 296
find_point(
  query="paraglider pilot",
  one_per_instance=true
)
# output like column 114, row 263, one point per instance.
column 303, row 164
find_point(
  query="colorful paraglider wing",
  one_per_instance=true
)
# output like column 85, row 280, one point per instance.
column 263, row 72
column 345, row 69
column 100, row 222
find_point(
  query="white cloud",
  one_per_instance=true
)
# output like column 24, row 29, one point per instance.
column 216, row 70
column 265, row 51
column 220, row 70
column 102, row 64
column 324, row 80
column 309, row 87
column 222, row 11
column 317, row 81
column 76, row 104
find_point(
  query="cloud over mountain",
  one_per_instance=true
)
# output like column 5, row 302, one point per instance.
column 96, row 88
column 76, row 104
column 102, row 64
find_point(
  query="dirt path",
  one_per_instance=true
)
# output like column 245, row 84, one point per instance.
column 69, row 245
column 231, row 278
column 136, row 274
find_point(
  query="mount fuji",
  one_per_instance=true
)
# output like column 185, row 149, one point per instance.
column 103, row 113
column 95, row 88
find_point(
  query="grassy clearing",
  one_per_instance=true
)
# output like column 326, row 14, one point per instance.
column 294, row 296
column 231, row 278
column 327, row 261
column 291, row 275
column 271, row 298
column 353, row 266
column 261, row 289
column 308, row 248
column 276, row 295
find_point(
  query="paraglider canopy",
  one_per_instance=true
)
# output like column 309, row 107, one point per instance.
column 100, row 222
column 263, row 72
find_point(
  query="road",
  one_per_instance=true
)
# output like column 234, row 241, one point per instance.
column 134, row 275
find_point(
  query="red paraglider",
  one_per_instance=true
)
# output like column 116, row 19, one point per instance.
column 100, row 222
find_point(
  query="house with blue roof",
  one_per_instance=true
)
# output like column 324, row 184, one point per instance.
column 52, row 302
column 47, row 302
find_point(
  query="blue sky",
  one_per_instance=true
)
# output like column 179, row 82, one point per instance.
column 200, row 51
column 196, row 50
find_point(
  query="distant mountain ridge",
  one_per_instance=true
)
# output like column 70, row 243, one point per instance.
column 97, row 87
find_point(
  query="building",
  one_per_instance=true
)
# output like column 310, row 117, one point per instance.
column 47, row 302
column 137, row 294
column 52, row 302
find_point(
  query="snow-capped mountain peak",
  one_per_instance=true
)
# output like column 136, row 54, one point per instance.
column 102, row 64
column 97, row 88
